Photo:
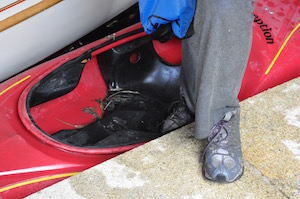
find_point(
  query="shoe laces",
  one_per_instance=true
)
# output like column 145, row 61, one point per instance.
column 218, row 130
column 215, row 133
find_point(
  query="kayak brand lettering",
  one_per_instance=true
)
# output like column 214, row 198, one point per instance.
column 266, row 30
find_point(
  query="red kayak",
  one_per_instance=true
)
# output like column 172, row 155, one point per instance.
column 94, row 103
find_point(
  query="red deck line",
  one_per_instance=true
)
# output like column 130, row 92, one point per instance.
column 11, row 5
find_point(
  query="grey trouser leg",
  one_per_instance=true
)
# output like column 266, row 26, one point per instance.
column 215, row 58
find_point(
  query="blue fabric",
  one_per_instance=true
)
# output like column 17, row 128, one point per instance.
column 179, row 13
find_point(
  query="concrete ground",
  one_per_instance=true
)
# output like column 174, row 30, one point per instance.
column 169, row 167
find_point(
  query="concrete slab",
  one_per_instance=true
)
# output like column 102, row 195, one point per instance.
column 169, row 167
column 273, row 146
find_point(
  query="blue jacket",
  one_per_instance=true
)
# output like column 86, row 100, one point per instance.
column 179, row 13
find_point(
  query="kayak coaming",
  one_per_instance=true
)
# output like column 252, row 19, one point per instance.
column 27, row 120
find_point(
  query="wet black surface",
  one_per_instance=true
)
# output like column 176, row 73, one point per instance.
column 129, row 118
column 140, row 97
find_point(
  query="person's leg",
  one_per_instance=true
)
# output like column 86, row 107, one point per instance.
column 214, row 61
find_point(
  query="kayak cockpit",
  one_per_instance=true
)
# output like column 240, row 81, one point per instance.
column 115, row 98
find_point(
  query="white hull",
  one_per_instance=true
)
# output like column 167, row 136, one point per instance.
column 39, row 36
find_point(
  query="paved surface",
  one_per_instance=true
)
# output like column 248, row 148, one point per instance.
column 169, row 167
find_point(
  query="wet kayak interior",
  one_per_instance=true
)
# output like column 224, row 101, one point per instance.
column 116, row 98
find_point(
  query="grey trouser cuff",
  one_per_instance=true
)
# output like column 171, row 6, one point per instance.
column 215, row 58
